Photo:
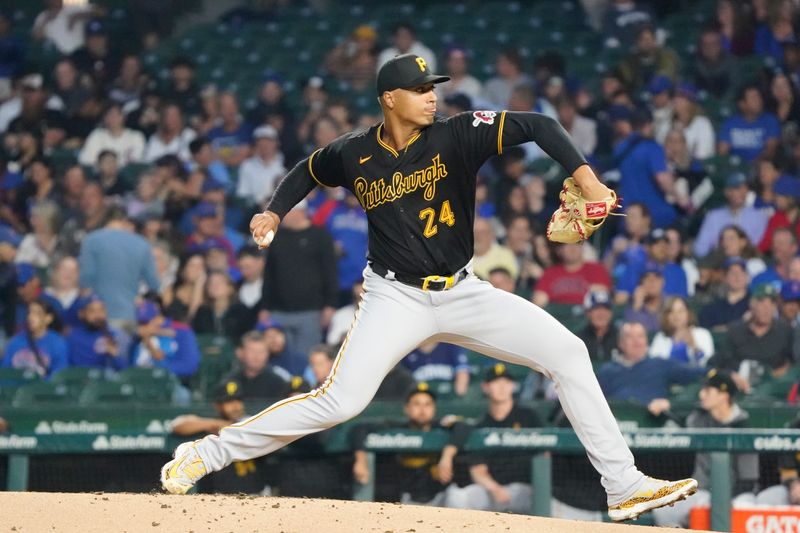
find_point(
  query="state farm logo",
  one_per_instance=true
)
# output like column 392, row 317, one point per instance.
column 772, row 524
column 596, row 209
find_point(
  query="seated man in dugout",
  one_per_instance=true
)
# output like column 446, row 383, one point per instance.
column 426, row 477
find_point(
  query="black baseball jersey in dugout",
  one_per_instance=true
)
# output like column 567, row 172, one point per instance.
column 420, row 201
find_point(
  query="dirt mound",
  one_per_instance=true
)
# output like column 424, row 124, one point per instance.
column 137, row 513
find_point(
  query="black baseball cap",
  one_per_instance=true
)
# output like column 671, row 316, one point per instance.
column 496, row 371
column 405, row 71
column 227, row 391
column 420, row 388
column 722, row 380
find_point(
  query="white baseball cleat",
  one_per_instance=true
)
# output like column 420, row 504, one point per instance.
column 654, row 493
column 186, row 469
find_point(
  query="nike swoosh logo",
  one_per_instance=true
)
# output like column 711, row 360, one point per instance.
column 362, row 160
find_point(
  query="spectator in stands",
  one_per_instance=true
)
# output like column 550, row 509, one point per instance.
column 734, row 244
column 97, row 58
column 644, row 174
column 73, row 181
column 628, row 246
column 718, row 409
column 696, row 127
column 113, row 135
column 166, row 263
column 257, row 378
column 182, row 88
column 273, row 109
column 760, row 342
column 70, row 92
column 714, row 69
column 508, row 74
column 790, row 308
column 39, row 186
column 734, row 303
column 404, row 41
column 751, row 133
column 208, row 230
column 230, row 140
column 660, row 89
column 787, row 214
column 241, row 477
column 163, row 342
column 300, row 279
column 41, row 246
column 499, row 482
column 28, row 289
column 347, row 225
column 115, row 276
column 47, row 126
column 353, row 60
column 691, row 179
column 343, row 317
column 783, row 101
column 250, row 262
column 678, row 253
column 787, row 492
column 222, row 313
column 63, row 25
column 461, row 81
column 8, row 282
column 520, row 240
column 622, row 21
column 171, row 137
column 679, row 337
column 736, row 212
column 656, row 257
column 648, row 59
column 637, row 378
column 144, row 203
column 768, row 174
column 127, row 88
column 500, row 278
column 107, row 174
column 91, row 216
column 424, row 478
column 63, row 290
column 320, row 363
column 282, row 353
column 440, row 362
column 582, row 130
column 260, row 173
column 92, row 342
column 13, row 54
column 779, row 28
column 783, row 250
column 145, row 117
column 734, row 24
column 38, row 346
column 569, row 281
column 648, row 297
column 489, row 254
column 204, row 160
column 600, row 334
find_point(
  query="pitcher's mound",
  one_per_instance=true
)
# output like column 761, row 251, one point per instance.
column 137, row 513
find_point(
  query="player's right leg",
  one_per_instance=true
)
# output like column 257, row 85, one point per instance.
column 392, row 320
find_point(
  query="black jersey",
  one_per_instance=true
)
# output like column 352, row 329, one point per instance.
column 420, row 201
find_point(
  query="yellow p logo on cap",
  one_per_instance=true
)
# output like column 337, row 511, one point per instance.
column 422, row 64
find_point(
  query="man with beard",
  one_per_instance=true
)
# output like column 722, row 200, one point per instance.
column 93, row 343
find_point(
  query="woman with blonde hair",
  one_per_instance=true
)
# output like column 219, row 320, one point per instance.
column 41, row 245
column 680, row 338
column 696, row 127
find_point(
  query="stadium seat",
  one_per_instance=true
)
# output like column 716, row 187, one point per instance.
column 15, row 377
column 107, row 392
column 76, row 377
column 150, row 384
column 217, row 357
column 42, row 393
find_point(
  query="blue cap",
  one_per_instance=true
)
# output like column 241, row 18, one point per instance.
column 25, row 273
column 659, row 84
column 95, row 27
column 597, row 298
column 84, row 301
column 731, row 261
column 620, row 112
column 210, row 184
column 736, row 179
column 687, row 90
column 8, row 235
column 269, row 324
column 790, row 290
column 787, row 185
column 271, row 75
column 146, row 311
column 206, row 209
column 651, row 267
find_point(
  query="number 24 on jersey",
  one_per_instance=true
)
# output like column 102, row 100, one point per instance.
column 429, row 216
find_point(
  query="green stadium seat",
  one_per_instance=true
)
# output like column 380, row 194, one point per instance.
column 42, row 393
column 76, row 377
column 107, row 392
column 150, row 384
column 15, row 377
column 217, row 357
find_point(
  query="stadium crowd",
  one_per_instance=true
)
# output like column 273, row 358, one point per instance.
column 125, row 200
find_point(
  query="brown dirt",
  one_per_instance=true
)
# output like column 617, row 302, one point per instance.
column 137, row 513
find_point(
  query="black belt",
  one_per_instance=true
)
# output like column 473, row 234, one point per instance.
column 429, row 283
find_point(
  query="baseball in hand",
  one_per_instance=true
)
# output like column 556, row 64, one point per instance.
column 266, row 239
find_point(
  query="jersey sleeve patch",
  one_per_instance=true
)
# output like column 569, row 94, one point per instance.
column 483, row 117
